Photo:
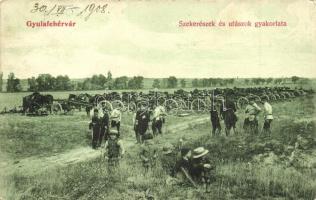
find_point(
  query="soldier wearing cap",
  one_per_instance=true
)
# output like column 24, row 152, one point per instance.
column 268, row 117
column 228, row 113
column 251, row 121
column 201, row 170
column 105, row 125
column 158, row 120
column 114, row 149
column 95, row 125
column 142, row 120
column 116, row 117
column 215, row 118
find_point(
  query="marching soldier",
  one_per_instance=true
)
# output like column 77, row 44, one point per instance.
column 142, row 120
column 95, row 125
column 114, row 149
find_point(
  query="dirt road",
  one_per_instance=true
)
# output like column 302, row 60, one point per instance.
column 34, row 165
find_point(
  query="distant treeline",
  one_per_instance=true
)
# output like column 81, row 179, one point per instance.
column 47, row 82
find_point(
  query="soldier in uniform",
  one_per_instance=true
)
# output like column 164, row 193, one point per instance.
column 228, row 112
column 88, row 108
column 116, row 120
column 214, row 112
column 201, row 168
column 251, row 121
column 183, row 167
column 268, row 117
column 135, row 129
column 158, row 120
column 148, row 153
column 142, row 120
column 105, row 120
column 95, row 125
column 114, row 149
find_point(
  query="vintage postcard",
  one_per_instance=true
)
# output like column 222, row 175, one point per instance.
column 157, row 99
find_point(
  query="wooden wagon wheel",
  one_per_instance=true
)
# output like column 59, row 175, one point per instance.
column 143, row 102
column 161, row 100
column 131, row 107
column 282, row 96
column 255, row 97
column 272, row 97
column 171, row 106
column 182, row 105
column 242, row 102
column 105, row 105
column 119, row 105
column 265, row 97
column 198, row 105
column 291, row 94
column 219, row 97
column 287, row 95
column 277, row 96
column 56, row 108
column 99, row 99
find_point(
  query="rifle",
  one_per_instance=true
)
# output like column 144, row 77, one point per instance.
column 213, row 102
column 187, row 175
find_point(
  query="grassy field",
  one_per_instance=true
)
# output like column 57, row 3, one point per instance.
column 247, row 167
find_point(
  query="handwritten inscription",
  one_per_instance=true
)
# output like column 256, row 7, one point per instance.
column 62, row 9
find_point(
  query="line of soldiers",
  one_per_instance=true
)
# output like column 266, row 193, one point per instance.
column 101, row 122
column 142, row 118
column 226, row 109
column 189, row 165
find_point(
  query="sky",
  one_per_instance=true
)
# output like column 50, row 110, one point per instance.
column 144, row 38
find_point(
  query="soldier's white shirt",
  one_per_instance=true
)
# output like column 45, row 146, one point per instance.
column 267, row 110
column 252, row 109
column 159, row 110
column 116, row 115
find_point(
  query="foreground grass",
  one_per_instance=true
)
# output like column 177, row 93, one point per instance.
column 247, row 167
column 245, row 170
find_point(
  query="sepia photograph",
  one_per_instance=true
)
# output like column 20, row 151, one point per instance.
column 157, row 99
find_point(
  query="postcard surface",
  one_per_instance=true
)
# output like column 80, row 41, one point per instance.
column 145, row 99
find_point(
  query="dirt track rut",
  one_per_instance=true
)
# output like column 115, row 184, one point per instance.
column 34, row 165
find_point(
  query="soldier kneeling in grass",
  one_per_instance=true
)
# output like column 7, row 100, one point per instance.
column 114, row 149
column 201, row 168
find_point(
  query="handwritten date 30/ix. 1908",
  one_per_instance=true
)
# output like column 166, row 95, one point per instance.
column 58, row 10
